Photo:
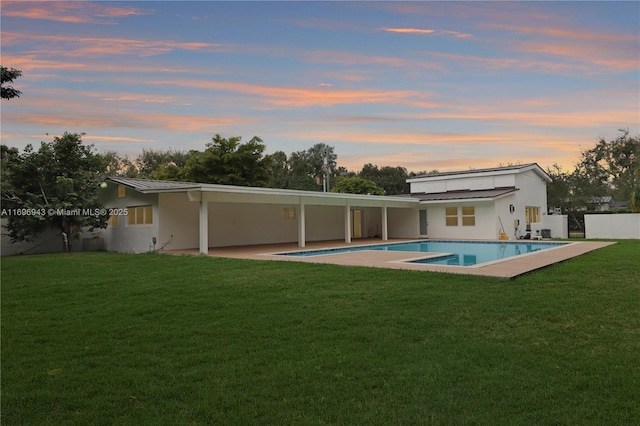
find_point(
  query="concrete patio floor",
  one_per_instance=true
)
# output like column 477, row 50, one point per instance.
column 504, row 268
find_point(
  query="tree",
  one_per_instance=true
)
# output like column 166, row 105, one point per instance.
column 7, row 76
column 278, row 169
column 153, row 164
column 321, row 159
column 230, row 162
column 282, row 176
column 611, row 168
column 422, row 173
column 356, row 185
column 393, row 180
column 120, row 165
column 56, row 186
column 569, row 191
column 560, row 188
column 635, row 200
column 311, row 163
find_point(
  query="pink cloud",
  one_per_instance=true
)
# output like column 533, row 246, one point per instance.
column 69, row 11
column 68, row 46
column 409, row 30
column 35, row 68
column 98, row 118
column 280, row 96
column 423, row 31
column 605, row 57
column 562, row 32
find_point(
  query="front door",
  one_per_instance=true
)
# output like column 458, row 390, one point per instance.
column 356, row 223
column 423, row 222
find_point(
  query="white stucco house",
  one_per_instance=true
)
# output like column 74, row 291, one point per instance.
column 483, row 203
column 472, row 204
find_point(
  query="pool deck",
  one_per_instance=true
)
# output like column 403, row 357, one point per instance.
column 504, row 268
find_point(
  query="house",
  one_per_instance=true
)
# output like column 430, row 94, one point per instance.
column 473, row 204
column 483, row 203
column 601, row 204
column 605, row 204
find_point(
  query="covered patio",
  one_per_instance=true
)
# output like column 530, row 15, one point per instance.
column 220, row 215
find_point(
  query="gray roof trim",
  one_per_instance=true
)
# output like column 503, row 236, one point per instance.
column 499, row 170
column 148, row 186
column 487, row 194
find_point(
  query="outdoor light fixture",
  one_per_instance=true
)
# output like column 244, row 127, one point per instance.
column 512, row 208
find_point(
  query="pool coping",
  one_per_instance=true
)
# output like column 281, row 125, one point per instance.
column 504, row 268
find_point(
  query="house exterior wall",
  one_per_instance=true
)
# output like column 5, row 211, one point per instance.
column 232, row 224
column 533, row 192
column 492, row 216
column 403, row 223
column 371, row 221
column 130, row 238
column 324, row 222
column 178, row 221
column 453, row 183
column 511, row 222
column 485, row 228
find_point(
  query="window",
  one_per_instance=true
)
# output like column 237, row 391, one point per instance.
column 469, row 216
column 141, row 215
column 451, row 216
column 288, row 213
column 121, row 191
column 532, row 214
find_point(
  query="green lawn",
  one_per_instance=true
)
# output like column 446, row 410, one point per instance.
column 104, row 338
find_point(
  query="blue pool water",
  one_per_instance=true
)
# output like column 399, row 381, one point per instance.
column 456, row 253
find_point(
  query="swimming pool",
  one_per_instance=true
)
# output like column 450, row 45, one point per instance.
column 451, row 253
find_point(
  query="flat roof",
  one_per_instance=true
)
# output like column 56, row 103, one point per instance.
column 465, row 195
column 150, row 186
column 517, row 168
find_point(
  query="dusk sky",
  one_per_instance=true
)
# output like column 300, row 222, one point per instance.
column 423, row 85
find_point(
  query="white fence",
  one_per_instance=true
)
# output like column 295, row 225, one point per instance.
column 49, row 241
column 557, row 224
column 619, row 226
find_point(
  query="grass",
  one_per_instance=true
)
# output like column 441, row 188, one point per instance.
column 105, row 338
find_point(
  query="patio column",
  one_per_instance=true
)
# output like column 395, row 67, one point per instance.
column 301, row 226
column 385, row 231
column 347, row 223
column 204, row 226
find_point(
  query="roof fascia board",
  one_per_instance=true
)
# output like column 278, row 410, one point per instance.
column 459, row 200
column 334, row 198
column 271, row 198
column 473, row 174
